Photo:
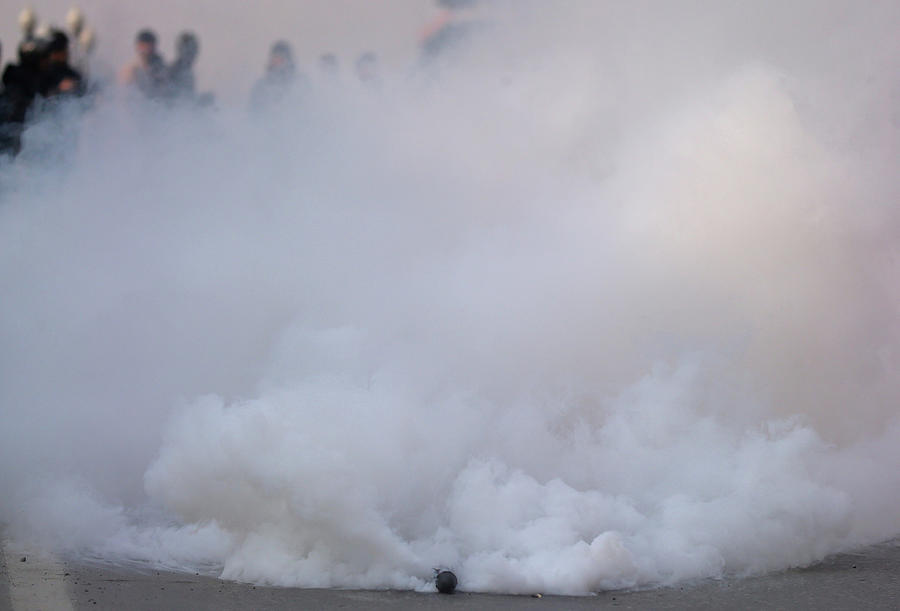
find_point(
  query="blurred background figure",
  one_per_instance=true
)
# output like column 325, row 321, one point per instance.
column 328, row 82
column 367, row 70
column 147, row 73
column 182, row 82
column 329, row 66
column 181, row 73
column 279, row 80
column 457, row 22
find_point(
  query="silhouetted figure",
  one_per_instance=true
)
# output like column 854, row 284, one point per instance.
column 58, row 77
column 181, row 80
column 148, row 72
column 21, row 85
column 279, row 80
column 181, row 73
column 457, row 23
column 329, row 65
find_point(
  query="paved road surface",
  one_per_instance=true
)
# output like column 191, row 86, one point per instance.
column 867, row 579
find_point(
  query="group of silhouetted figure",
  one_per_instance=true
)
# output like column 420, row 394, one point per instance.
column 282, row 77
column 54, row 64
column 152, row 77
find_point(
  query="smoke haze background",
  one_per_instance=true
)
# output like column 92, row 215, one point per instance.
column 611, row 302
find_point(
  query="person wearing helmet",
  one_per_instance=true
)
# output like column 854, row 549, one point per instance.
column 75, row 21
column 58, row 77
column 21, row 81
column 81, row 41
column 21, row 85
column 27, row 23
column 148, row 72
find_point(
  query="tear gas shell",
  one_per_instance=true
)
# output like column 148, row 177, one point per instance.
column 445, row 581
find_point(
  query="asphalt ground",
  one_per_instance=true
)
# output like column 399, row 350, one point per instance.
column 866, row 579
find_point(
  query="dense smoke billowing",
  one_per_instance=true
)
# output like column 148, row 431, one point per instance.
column 610, row 299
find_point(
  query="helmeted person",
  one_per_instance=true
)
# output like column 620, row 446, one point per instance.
column 75, row 21
column 148, row 73
column 59, row 77
column 21, row 85
column 51, row 121
column 279, row 80
column 21, row 81
column 27, row 23
column 43, row 31
column 81, row 41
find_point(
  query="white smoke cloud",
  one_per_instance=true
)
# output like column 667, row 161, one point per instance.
column 616, row 309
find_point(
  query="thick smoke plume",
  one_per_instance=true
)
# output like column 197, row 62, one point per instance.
column 607, row 299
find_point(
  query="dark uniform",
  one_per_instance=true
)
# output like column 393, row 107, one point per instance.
column 21, row 84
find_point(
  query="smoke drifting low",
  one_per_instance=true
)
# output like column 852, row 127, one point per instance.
column 611, row 309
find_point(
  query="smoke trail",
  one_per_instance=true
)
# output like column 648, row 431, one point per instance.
column 558, row 331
